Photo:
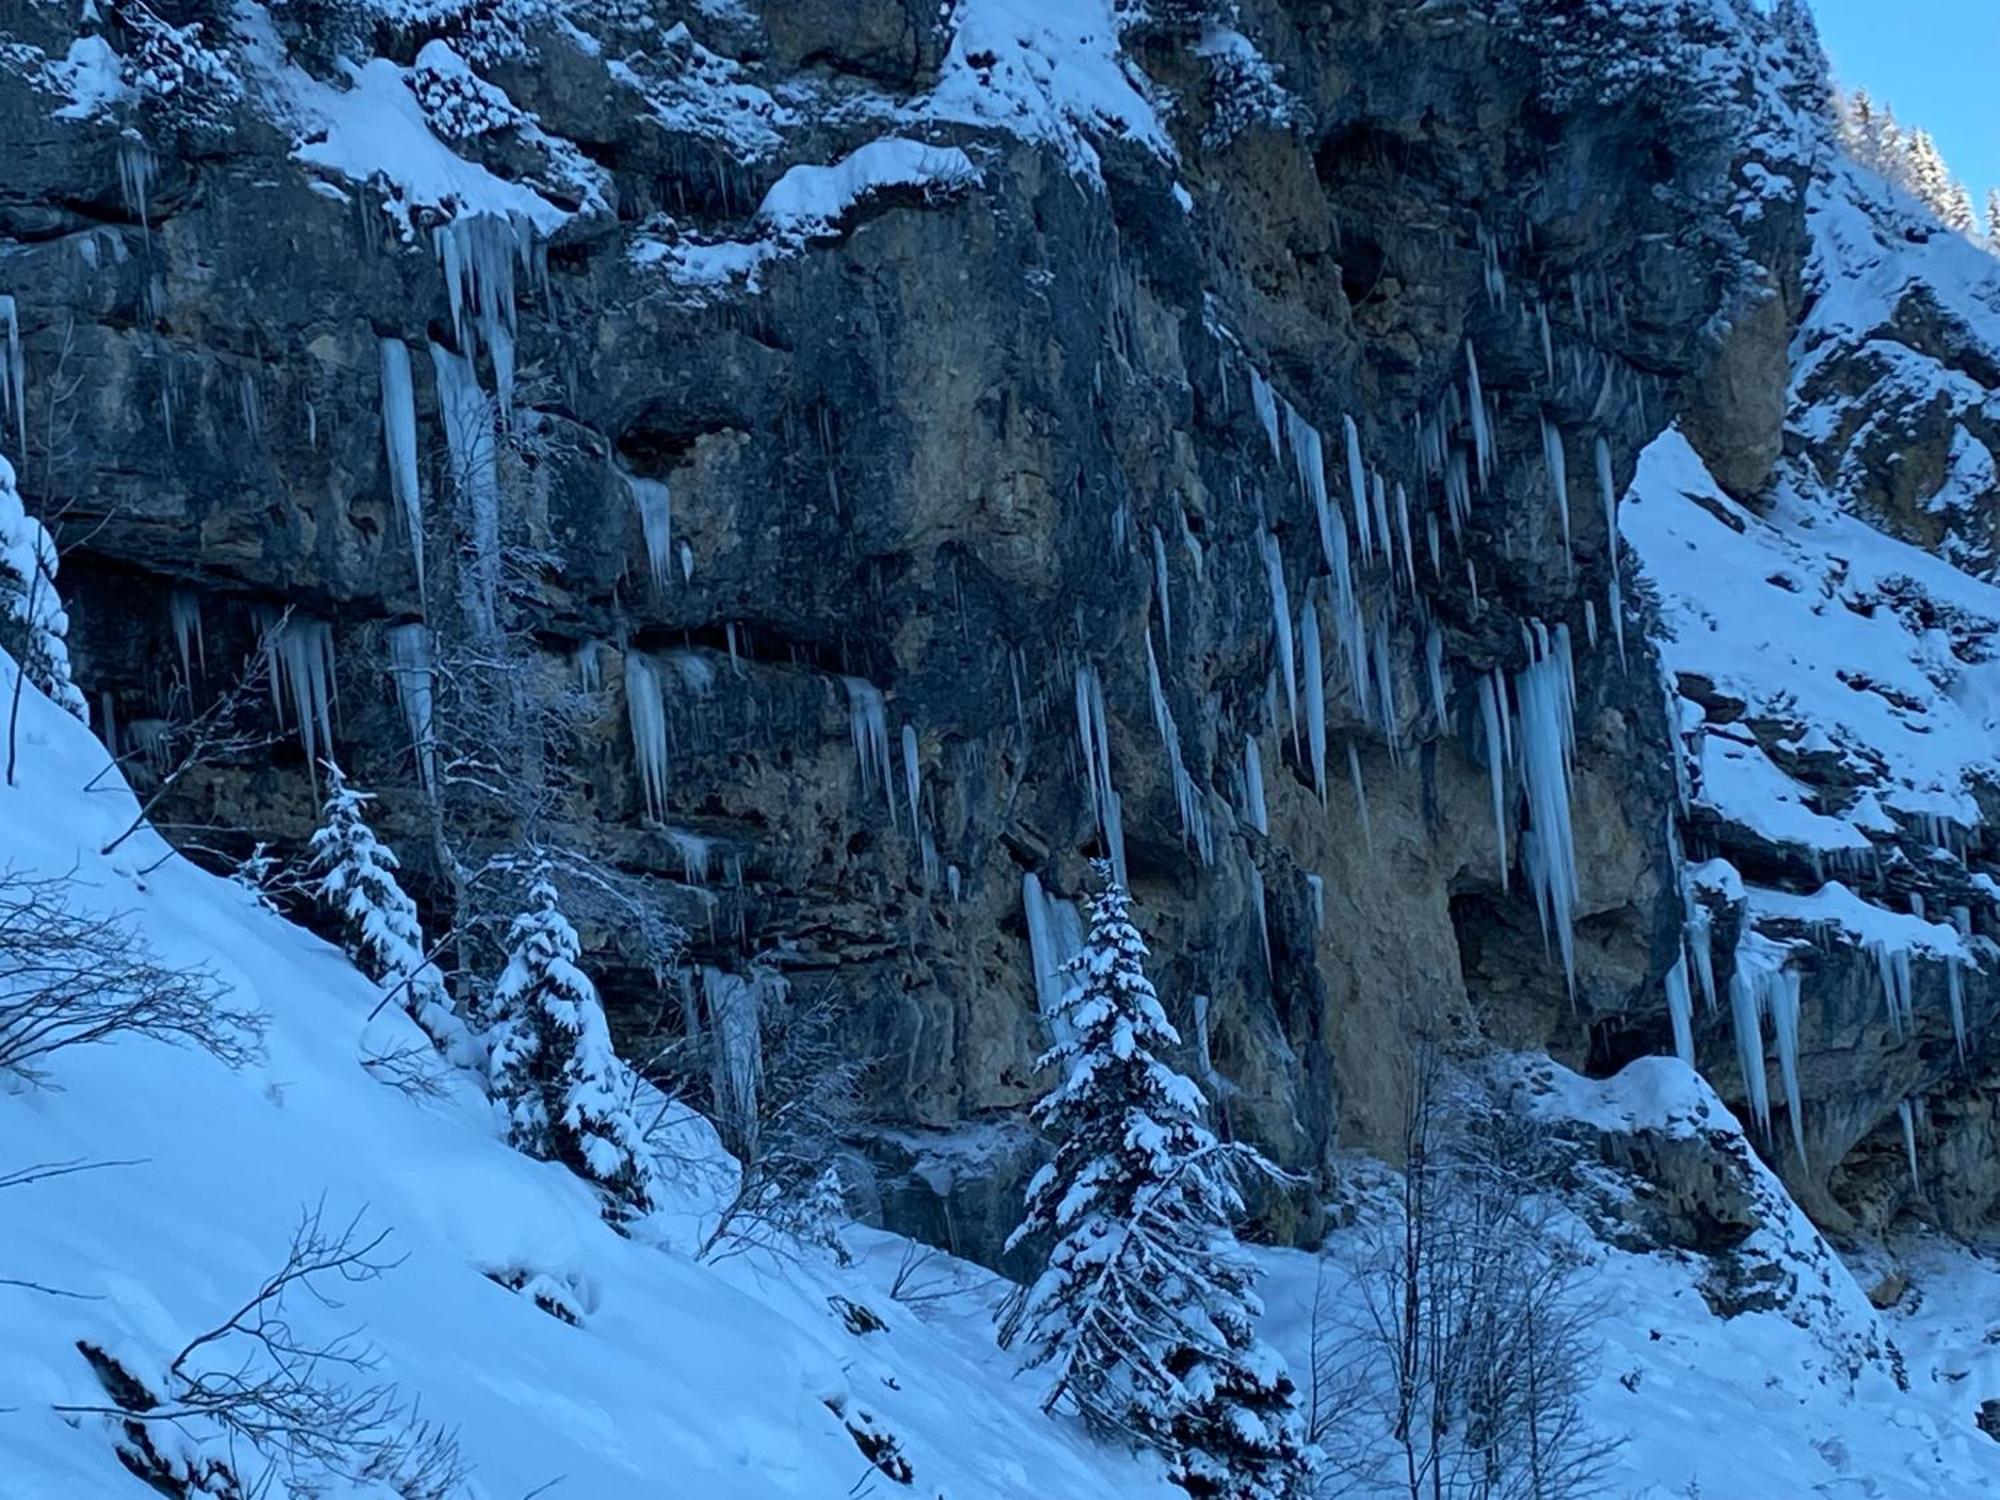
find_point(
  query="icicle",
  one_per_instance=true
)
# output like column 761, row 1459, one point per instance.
column 135, row 177
column 1745, row 1013
column 1095, row 734
column 1357, row 484
column 14, row 377
column 1680, row 1009
column 654, row 503
column 1436, row 545
column 184, row 609
column 1193, row 545
column 1558, row 467
column 1257, row 810
column 1316, row 891
column 1187, row 795
column 1434, row 672
column 1892, row 965
column 868, row 724
column 1378, row 495
column 1545, row 690
column 954, row 882
column 1160, row 588
column 479, row 253
column 299, row 659
column 646, row 704
column 1403, row 533
column 1055, row 936
column 410, row 671
column 1265, row 400
column 312, row 426
column 1608, row 493
column 473, row 446
column 589, row 660
column 1360, row 795
column 1491, row 718
column 1281, row 626
column 913, row 775
column 1615, row 599
column 1315, row 697
column 1590, row 622
column 399, row 442
column 687, row 562
column 1909, row 1122
column 1475, row 401
column 1700, row 940
column 1548, row 346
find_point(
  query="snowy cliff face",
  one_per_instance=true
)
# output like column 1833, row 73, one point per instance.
column 1829, row 644
column 834, row 469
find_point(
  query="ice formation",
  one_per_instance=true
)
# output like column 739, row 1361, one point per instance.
column 1315, row 696
column 1160, row 593
column 913, row 775
column 1265, row 400
column 472, row 442
column 1360, row 795
column 1055, row 936
column 184, row 610
column 399, row 441
column 1545, row 691
column 298, row 655
column 410, row 669
column 1095, row 734
column 14, row 376
column 1187, row 794
column 1281, row 626
column 1558, row 467
column 479, row 253
column 1255, row 808
column 1492, row 718
column 646, row 704
column 1680, row 1009
column 653, row 501
column 1357, row 484
column 868, row 724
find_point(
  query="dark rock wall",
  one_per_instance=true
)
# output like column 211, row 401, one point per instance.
column 932, row 453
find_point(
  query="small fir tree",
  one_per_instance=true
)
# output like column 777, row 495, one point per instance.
column 1145, row 1312
column 567, row 1093
column 354, row 878
column 33, row 626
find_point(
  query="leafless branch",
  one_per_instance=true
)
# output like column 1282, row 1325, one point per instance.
column 69, row 979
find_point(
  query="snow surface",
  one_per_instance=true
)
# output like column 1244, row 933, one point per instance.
column 684, row 1378
column 1813, row 617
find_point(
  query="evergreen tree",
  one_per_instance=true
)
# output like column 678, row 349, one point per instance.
column 567, row 1092
column 1145, row 1310
column 1993, row 220
column 1859, row 127
column 1957, row 211
column 355, row 879
column 32, row 622
column 1929, row 178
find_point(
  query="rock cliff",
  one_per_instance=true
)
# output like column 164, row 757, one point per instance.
column 831, row 469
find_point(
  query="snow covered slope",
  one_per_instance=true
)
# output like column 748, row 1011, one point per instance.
column 742, row 1380
column 680, row 1378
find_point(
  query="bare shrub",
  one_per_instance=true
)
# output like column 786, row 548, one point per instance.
column 68, row 979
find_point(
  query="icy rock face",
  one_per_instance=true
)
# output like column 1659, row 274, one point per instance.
column 1827, row 635
column 926, row 446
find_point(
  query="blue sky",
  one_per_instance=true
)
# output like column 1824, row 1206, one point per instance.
column 1937, row 62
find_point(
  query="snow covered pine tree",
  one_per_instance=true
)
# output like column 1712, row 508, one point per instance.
column 1145, row 1309
column 568, row 1094
column 32, row 622
column 355, row 878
